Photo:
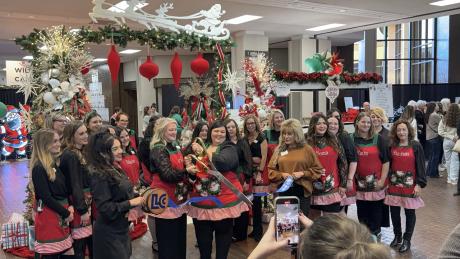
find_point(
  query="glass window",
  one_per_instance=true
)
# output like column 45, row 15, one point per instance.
column 442, row 50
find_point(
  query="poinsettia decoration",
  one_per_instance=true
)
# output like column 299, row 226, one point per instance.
column 320, row 77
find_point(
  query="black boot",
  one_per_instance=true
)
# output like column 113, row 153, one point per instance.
column 405, row 246
column 397, row 241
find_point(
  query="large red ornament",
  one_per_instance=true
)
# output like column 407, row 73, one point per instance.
column 113, row 60
column 176, row 70
column 85, row 69
column 199, row 65
column 148, row 69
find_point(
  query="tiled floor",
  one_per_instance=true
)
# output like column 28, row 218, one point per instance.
column 434, row 222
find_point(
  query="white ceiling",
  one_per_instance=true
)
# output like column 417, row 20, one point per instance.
column 281, row 20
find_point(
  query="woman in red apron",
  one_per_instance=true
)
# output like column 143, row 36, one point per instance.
column 209, row 218
column 122, row 121
column 407, row 177
column 73, row 165
column 52, row 211
column 329, row 190
column 371, row 173
column 244, row 172
column 130, row 162
column 169, row 174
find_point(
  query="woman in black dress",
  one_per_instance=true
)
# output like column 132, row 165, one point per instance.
column 113, row 195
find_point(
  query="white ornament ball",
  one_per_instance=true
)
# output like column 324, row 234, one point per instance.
column 54, row 83
column 262, row 113
column 49, row 98
column 45, row 78
column 65, row 86
column 54, row 72
column 57, row 91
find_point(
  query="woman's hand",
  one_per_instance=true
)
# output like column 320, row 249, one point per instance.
column 268, row 244
column 417, row 191
column 256, row 160
column 258, row 178
column 136, row 201
column 192, row 169
column 380, row 185
column 70, row 217
column 342, row 191
column 86, row 219
column 350, row 185
column 285, row 175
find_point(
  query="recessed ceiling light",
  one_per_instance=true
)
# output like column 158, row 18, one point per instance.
column 123, row 5
column 342, row 10
column 4, row 69
column 326, row 27
column 242, row 19
column 129, row 51
column 99, row 59
column 445, row 2
column 28, row 57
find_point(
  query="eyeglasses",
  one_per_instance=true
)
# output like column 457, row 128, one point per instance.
column 124, row 120
column 61, row 120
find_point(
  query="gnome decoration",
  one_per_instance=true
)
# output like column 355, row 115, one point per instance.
column 199, row 65
column 176, row 70
column 148, row 69
column 113, row 60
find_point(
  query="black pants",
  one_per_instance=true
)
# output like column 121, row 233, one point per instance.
column 458, row 181
column 396, row 220
column 79, row 247
column 297, row 190
column 55, row 256
column 370, row 214
column 206, row 229
column 240, row 226
column 257, row 216
column 171, row 237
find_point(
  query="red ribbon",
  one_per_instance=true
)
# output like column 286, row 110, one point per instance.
column 219, row 78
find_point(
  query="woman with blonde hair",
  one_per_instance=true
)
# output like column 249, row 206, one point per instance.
column 272, row 134
column 378, row 118
column 295, row 159
column 56, row 121
column 52, row 211
column 73, row 165
column 169, row 174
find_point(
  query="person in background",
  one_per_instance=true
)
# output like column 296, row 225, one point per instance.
column 330, row 188
column 433, row 139
column 407, row 178
column 200, row 131
column 73, row 164
column 154, row 110
column 371, row 173
column 272, row 133
column 56, row 121
column 259, row 149
column 114, row 197
column 52, row 213
column 175, row 114
column 244, row 172
column 113, row 118
column 409, row 115
column 366, row 107
column 129, row 162
column 93, row 122
column 447, row 129
column 108, row 129
column 445, row 103
column 122, row 121
column 148, row 113
column 295, row 158
column 421, row 125
column 378, row 118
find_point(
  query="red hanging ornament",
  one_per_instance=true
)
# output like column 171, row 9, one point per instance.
column 176, row 70
column 85, row 69
column 199, row 65
column 113, row 60
column 148, row 69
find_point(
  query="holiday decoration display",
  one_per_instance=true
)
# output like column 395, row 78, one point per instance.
column 199, row 65
column 148, row 69
column 319, row 77
column 259, row 72
column 209, row 24
column 176, row 70
column 15, row 233
column 231, row 80
column 3, row 110
column 13, row 133
column 113, row 60
column 198, row 97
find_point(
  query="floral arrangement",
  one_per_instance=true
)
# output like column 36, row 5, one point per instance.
column 259, row 72
column 322, row 77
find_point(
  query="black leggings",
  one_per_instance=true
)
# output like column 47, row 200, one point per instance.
column 370, row 213
column 171, row 235
column 257, row 216
column 205, row 230
column 79, row 247
column 396, row 220
column 240, row 226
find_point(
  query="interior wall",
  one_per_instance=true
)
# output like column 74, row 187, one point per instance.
column 279, row 58
column 454, row 51
column 346, row 54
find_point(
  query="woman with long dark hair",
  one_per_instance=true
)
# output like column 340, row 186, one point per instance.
column 434, row 141
column 52, row 211
column 114, row 197
column 407, row 177
column 447, row 129
column 130, row 162
column 329, row 189
column 93, row 122
column 409, row 115
column 73, row 164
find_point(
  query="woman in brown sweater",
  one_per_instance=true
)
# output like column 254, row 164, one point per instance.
column 294, row 158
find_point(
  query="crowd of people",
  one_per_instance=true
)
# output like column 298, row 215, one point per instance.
column 85, row 175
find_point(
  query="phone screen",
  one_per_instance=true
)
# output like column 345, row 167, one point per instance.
column 287, row 219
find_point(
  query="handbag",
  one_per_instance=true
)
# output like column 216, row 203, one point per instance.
column 456, row 147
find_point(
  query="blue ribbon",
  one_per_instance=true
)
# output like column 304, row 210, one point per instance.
column 219, row 204
column 286, row 185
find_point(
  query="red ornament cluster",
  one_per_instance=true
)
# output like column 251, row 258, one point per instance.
column 319, row 77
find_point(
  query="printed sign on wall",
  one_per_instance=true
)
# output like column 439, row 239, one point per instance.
column 18, row 72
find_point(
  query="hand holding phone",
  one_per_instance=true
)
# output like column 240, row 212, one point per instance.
column 287, row 219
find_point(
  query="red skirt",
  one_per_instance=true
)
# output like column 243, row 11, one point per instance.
column 80, row 230
column 52, row 233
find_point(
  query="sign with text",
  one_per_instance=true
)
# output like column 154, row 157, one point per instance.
column 18, row 72
column 381, row 95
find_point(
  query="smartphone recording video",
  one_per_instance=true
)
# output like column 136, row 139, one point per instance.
column 287, row 219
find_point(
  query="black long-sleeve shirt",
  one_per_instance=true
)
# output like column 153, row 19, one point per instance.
column 347, row 144
column 226, row 159
column 420, row 178
column 77, row 179
column 50, row 191
column 160, row 163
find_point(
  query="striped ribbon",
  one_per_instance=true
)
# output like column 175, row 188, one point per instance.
column 286, row 185
column 220, row 52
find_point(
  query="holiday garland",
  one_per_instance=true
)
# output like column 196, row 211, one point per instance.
column 157, row 39
column 321, row 77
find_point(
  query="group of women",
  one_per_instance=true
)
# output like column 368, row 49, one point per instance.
column 86, row 182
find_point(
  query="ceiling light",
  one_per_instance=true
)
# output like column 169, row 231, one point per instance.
column 326, row 27
column 75, row 31
column 123, row 5
column 242, row 19
column 28, row 57
column 129, row 51
column 99, row 59
column 445, row 2
column 4, row 69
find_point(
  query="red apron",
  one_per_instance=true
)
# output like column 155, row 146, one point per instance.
column 369, row 168
column 403, row 172
column 148, row 176
column 80, row 230
column 132, row 141
column 331, row 180
column 177, row 163
column 130, row 165
column 52, row 233
column 272, row 144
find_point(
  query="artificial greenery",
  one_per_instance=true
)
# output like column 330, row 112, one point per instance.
column 157, row 39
